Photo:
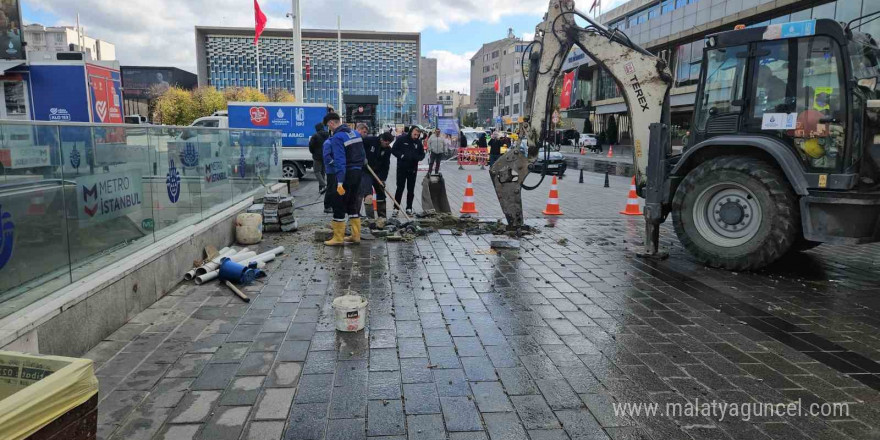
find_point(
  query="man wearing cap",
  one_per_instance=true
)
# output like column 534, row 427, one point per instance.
column 344, row 158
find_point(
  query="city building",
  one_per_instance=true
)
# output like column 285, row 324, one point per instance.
column 427, row 84
column 380, row 70
column 675, row 30
column 499, row 60
column 55, row 39
column 141, row 85
column 452, row 101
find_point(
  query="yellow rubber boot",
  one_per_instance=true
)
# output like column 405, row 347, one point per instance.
column 338, row 234
column 355, row 238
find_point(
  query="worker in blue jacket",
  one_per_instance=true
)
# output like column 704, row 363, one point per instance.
column 344, row 160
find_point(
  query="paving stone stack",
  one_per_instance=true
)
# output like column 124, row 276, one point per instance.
column 278, row 213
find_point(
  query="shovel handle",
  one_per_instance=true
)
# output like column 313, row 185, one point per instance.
column 397, row 205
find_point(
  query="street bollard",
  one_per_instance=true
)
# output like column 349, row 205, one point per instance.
column 607, row 185
column 582, row 177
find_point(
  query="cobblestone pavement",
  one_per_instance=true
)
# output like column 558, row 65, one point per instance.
column 537, row 343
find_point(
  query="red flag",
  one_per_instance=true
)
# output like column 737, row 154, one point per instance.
column 497, row 88
column 259, row 20
column 595, row 3
column 567, row 90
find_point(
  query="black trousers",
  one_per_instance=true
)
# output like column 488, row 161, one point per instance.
column 435, row 158
column 351, row 201
column 406, row 179
column 380, row 191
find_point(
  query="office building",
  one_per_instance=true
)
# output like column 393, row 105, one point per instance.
column 380, row 70
column 452, row 101
column 499, row 60
column 141, row 85
column 44, row 39
column 427, row 84
column 675, row 30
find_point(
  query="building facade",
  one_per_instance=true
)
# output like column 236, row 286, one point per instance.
column 141, row 85
column 427, row 84
column 380, row 65
column 675, row 30
column 452, row 101
column 41, row 38
column 502, row 61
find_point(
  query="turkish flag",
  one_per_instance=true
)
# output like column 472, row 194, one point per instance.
column 567, row 89
column 259, row 20
column 497, row 87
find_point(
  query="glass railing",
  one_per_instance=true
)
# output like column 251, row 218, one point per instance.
column 75, row 198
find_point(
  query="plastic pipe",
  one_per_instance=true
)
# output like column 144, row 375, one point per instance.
column 225, row 252
column 215, row 263
column 261, row 260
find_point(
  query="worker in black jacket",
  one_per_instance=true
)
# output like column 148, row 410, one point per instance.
column 378, row 150
column 316, row 147
column 409, row 151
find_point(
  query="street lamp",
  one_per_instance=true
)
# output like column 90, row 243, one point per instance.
column 295, row 17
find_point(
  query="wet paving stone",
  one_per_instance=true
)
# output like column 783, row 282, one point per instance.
column 536, row 343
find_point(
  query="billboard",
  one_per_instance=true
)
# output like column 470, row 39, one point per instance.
column 430, row 112
column 105, row 90
column 10, row 30
column 295, row 121
column 139, row 80
column 59, row 93
column 448, row 126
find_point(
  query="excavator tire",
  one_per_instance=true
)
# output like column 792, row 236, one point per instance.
column 736, row 213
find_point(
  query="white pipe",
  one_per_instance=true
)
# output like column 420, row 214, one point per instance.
column 223, row 252
column 261, row 261
column 215, row 263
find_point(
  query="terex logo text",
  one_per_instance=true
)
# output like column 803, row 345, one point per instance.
column 259, row 116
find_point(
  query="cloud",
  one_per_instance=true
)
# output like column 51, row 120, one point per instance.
column 528, row 36
column 453, row 70
column 161, row 32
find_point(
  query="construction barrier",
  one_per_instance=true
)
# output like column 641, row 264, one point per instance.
column 473, row 156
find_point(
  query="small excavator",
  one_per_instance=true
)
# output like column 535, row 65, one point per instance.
column 784, row 152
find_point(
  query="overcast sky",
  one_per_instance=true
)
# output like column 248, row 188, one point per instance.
column 160, row 32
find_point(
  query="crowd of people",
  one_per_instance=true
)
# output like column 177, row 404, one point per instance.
column 351, row 166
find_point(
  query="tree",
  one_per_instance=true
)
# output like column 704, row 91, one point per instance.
column 611, row 131
column 207, row 100
column 244, row 94
column 281, row 95
column 175, row 107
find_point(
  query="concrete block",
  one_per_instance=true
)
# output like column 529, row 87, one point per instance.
column 63, row 335
column 27, row 343
column 323, row 234
column 106, row 312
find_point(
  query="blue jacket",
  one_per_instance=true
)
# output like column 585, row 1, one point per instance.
column 343, row 151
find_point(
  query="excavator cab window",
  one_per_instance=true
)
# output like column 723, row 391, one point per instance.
column 721, row 95
column 797, row 96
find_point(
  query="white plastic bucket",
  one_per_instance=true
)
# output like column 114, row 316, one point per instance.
column 248, row 228
column 351, row 313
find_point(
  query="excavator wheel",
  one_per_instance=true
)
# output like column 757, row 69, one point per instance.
column 736, row 213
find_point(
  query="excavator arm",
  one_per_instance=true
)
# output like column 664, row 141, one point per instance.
column 644, row 81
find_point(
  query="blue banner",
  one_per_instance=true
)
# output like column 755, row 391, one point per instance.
column 448, row 125
column 296, row 122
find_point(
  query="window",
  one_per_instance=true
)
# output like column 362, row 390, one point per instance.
column 819, row 88
column 14, row 100
column 607, row 88
column 667, row 6
column 495, row 54
column 680, row 3
column 654, row 12
column 516, row 88
column 59, row 38
column 772, row 79
column 687, row 63
column 725, row 68
column 516, row 109
column 507, row 91
column 633, row 21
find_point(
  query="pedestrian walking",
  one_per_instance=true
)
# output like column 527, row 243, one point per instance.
column 344, row 157
column 495, row 148
column 437, row 147
column 409, row 151
column 316, row 148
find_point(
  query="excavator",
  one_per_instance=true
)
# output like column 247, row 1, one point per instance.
column 784, row 152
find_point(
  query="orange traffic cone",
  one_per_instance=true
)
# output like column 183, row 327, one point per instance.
column 469, row 206
column 632, row 202
column 610, row 150
column 583, row 151
column 553, row 201
column 375, row 204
